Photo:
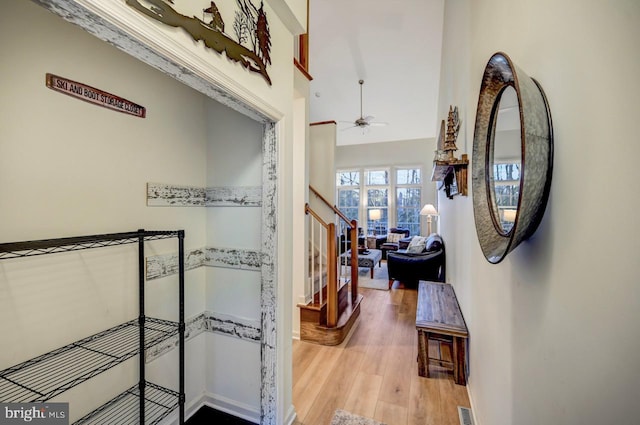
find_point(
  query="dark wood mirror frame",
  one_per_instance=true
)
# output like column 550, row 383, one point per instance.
column 536, row 137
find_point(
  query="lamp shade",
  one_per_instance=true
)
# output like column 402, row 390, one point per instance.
column 375, row 214
column 428, row 209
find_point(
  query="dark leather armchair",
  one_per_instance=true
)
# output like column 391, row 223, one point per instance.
column 345, row 246
column 428, row 265
column 391, row 246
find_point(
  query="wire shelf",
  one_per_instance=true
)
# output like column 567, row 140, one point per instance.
column 125, row 408
column 50, row 374
column 52, row 246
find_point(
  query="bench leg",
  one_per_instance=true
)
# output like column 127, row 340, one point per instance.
column 423, row 355
column 372, row 272
column 459, row 361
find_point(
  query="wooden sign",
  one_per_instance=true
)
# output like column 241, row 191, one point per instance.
column 95, row 96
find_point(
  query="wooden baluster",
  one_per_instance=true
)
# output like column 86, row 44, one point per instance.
column 354, row 260
column 320, row 272
column 332, row 285
column 312, row 257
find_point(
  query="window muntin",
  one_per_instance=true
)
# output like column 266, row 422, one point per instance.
column 377, row 177
column 409, row 176
column 348, row 178
column 506, row 177
column 408, row 198
column 396, row 192
column 377, row 187
column 348, row 188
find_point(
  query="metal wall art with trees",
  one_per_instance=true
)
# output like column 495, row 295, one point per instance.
column 252, row 47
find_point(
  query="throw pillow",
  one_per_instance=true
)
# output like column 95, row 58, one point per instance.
column 394, row 237
column 417, row 245
column 416, row 249
column 418, row 240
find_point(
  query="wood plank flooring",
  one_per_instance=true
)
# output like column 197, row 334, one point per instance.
column 374, row 372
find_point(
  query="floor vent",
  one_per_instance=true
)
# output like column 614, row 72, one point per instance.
column 465, row 416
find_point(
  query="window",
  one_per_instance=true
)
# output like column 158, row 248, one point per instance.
column 408, row 198
column 506, row 178
column 395, row 193
column 377, row 187
column 348, row 185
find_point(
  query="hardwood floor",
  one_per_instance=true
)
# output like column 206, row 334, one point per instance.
column 374, row 372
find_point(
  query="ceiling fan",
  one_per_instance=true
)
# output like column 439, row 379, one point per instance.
column 363, row 122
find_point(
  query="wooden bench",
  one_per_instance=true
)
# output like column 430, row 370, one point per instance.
column 438, row 317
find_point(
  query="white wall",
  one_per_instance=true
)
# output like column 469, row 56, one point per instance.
column 322, row 146
column 318, row 156
column 322, row 153
column 211, row 72
column 69, row 168
column 234, row 158
column 554, row 334
column 300, row 196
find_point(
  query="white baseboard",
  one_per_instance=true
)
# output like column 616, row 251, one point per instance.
column 232, row 407
column 189, row 410
column 222, row 404
column 295, row 335
column 473, row 406
column 291, row 416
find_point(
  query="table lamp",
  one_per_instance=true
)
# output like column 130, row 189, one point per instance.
column 375, row 215
column 428, row 210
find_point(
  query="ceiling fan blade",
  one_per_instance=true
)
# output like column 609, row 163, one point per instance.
column 363, row 122
column 348, row 128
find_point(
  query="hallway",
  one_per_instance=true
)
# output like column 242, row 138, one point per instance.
column 374, row 373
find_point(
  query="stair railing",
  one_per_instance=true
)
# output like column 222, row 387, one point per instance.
column 336, row 264
column 326, row 243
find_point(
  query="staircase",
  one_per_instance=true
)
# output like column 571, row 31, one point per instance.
column 335, row 303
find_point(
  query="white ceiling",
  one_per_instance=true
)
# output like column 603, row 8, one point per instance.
column 395, row 47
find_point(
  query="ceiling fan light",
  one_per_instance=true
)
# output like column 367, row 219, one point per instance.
column 364, row 122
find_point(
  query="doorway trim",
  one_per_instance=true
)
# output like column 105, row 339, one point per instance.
column 247, row 105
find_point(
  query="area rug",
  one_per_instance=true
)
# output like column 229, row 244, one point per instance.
column 380, row 277
column 342, row 417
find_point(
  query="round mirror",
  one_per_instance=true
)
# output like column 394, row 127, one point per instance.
column 505, row 161
column 512, row 158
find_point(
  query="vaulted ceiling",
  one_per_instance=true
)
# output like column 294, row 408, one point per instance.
column 395, row 47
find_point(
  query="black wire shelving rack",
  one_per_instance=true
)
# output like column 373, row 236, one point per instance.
column 48, row 375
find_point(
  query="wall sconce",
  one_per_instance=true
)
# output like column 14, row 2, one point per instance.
column 428, row 210
column 375, row 215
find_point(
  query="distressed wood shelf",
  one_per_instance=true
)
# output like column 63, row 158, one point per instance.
column 441, row 169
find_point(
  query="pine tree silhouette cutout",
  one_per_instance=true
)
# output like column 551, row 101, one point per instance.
column 263, row 36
